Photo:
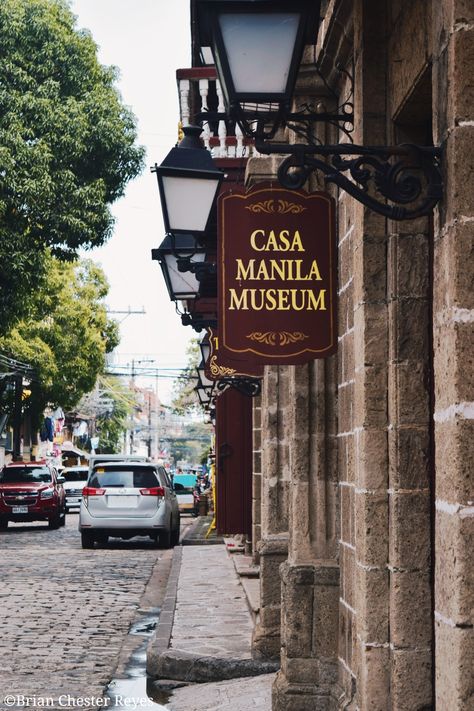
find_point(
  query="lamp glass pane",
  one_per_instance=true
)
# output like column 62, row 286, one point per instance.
column 183, row 284
column 205, row 350
column 259, row 49
column 189, row 202
column 205, row 380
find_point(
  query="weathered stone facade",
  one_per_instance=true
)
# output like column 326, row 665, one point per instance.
column 363, row 483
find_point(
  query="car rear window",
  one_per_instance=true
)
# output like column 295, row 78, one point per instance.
column 75, row 475
column 12, row 475
column 124, row 477
column 180, row 489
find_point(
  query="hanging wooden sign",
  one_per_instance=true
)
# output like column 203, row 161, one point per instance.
column 277, row 275
column 222, row 364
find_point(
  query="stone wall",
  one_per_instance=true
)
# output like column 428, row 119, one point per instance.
column 453, row 316
column 377, row 448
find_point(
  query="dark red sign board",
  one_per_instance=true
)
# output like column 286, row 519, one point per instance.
column 277, row 275
column 221, row 364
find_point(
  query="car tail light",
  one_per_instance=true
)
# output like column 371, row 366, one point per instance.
column 91, row 491
column 154, row 491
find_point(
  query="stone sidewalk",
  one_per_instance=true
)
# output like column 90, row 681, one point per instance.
column 250, row 694
column 204, row 635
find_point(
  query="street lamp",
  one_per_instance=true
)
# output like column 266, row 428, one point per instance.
column 257, row 47
column 205, row 348
column 204, row 395
column 172, row 253
column 203, row 380
column 188, row 182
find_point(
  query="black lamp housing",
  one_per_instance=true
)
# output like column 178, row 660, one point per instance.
column 188, row 182
column 257, row 46
column 181, row 285
column 204, row 395
column 205, row 348
column 203, row 380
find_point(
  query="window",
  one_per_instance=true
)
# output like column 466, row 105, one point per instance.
column 75, row 475
column 123, row 477
column 14, row 475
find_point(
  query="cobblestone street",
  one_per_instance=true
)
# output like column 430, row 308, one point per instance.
column 66, row 611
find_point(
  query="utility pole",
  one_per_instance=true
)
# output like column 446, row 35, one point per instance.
column 132, row 429
column 149, row 425
column 18, row 381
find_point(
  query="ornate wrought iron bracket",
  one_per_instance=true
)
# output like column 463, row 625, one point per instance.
column 261, row 124
column 251, row 387
column 202, row 270
column 412, row 182
column 198, row 324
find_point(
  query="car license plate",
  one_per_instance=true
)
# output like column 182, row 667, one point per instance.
column 74, row 499
column 124, row 501
column 19, row 509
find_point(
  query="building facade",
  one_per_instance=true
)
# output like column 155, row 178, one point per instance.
column 363, row 497
column 363, row 462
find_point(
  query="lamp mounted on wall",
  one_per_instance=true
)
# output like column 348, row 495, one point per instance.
column 188, row 182
column 171, row 254
column 257, row 47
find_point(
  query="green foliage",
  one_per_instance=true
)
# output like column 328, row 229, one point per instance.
column 185, row 398
column 66, row 334
column 192, row 446
column 67, row 145
column 112, row 425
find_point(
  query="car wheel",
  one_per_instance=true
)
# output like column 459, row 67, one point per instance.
column 175, row 534
column 63, row 519
column 55, row 521
column 3, row 524
column 103, row 539
column 87, row 539
column 165, row 538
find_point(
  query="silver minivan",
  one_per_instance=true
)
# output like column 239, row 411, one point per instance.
column 124, row 499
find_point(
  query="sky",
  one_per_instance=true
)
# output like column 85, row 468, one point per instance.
column 147, row 40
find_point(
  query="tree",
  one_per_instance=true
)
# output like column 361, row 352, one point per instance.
column 66, row 335
column 112, row 425
column 185, row 398
column 67, row 145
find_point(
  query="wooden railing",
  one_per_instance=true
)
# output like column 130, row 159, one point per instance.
column 199, row 90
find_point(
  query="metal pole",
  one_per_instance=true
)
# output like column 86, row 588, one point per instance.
column 18, row 380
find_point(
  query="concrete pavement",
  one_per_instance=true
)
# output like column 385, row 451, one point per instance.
column 204, row 635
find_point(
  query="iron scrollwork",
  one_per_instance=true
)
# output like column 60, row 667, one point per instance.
column 412, row 182
column 251, row 387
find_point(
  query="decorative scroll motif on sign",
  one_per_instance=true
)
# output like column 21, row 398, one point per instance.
column 219, row 370
column 283, row 207
column 281, row 338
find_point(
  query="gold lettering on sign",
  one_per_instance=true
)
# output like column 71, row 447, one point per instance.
column 273, row 269
column 277, row 300
column 277, row 270
column 276, row 241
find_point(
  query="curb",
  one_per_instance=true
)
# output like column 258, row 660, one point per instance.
column 165, row 663
column 160, row 640
column 194, row 535
column 185, row 666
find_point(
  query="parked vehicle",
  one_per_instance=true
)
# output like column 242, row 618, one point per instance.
column 75, row 479
column 124, row 499
column 98, row 458
column 32, row 491
column 184, row 486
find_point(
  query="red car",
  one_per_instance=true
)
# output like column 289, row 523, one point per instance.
column 31, row 491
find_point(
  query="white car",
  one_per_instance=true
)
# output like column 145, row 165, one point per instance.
column 75, row 479
column 124, row 499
